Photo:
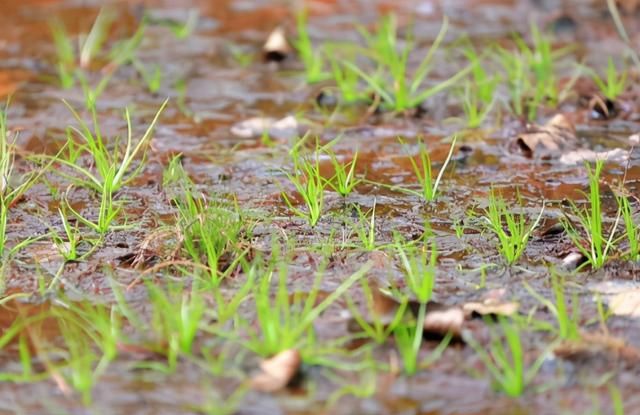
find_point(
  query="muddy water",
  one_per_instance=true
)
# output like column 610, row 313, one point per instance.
column 211, row 90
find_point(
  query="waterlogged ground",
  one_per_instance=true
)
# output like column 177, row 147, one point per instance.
column 216, row 78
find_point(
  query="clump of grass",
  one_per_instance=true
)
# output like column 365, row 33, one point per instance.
column 419, row 261
column 512, row 229
column 284, row 320
column 11, row 187
column 176, row 318
column 478, row 94
column 398, row 89
column 112, row 166
column 208, row 231
column 568, row 323
column 311, row 56
column 596, row 245
column 531, row 74
column 424, row 173
column 310, row 185
column 504, row 358
column 613, row 83
column 374, row 326
column 344, row 181
column 632, row 227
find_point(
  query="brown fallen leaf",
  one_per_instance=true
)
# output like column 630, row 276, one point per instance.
column 439, row 319
column 276, row 48
column 277, row 372
column 551, row 140
column 490, row 308
column 285, row 128
column 443, row 321
column 595, row 345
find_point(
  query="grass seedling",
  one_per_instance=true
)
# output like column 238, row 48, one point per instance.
column 504, row 358
column 423, row 172
column 152, row 77
column 111, row 165
column 419, row 262
column 632, row 227
column 347, row 80
column 374, row 326
column 64, row 53
column 181, row 30
column 408, row 339
column 613, row 83
column 286, row 321
column 312, row 57
column 207, row 230
column 475, row 110
column 512, row 229
column 344, row 180
column 68, row 245
column 11, row 187
column 365, row 228
column 108, row 209
column 597, row 246
column 398, row 90
column 176, row 318
column 568, row 323
column 310, row 185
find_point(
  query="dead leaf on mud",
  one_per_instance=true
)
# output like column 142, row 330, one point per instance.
column 283, row 129
column 276, row 48
column 595, row 345
column 622, row 297
column 443, row 320
column 277, row 372
column 490, row 308
column 439, row 319
column 556, row 137
column 584, row 154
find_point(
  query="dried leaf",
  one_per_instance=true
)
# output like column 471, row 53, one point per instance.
column 593, row 345
column 283, row 129
column 277, row 372
column 444, row 320
column 626, row 303
column 556, row 137
column 490, row 308
column 582, row 155
column 276, row 48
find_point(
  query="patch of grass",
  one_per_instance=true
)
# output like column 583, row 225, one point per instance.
column 512, row 229
column 408, row 340
column 12, row 188
column 365, row 228
column 504, row 358
column 632, row 227
column 424, row 173
column 311, row 56
column 309, row 184
column 419, row 261
column 568, row 323
column 176, row 318
column 613, row 83
column 285, row 321
column 112, row 165
column 374, row 326
column 595, row 245
column 399, row 90
column 531, row 74
column 344, row 181
column 208, row 231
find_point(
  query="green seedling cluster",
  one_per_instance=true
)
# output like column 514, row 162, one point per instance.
column 512, row 230
column 504, row 359
column 588, row 231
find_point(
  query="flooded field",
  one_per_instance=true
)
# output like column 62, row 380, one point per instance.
column 320, row 207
